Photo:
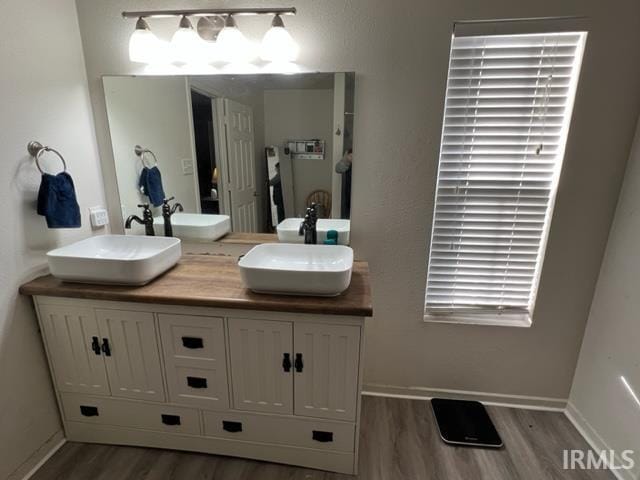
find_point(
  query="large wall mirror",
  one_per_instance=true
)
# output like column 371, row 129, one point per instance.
column 239, row 153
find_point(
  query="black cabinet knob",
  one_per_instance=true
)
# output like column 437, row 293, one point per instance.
column 95, row 345
column 106, row 348
column 286, row 362
column 299, row 363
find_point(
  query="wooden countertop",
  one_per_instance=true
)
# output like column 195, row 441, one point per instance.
column 213, row 281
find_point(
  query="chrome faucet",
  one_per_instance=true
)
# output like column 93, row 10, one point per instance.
column 167, row 211
column 308, row 226
column 146, row 220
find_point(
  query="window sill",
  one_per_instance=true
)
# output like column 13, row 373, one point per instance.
column 520, row 320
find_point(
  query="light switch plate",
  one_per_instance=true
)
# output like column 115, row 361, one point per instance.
column 99, row 217
column 187, row 166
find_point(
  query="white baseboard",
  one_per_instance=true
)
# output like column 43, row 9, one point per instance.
column 39, row 457
column 593, row 438
column 497, row 399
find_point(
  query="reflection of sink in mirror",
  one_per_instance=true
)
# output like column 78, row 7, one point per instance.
column 195, row 226
column 288, row 230
column 115, row 259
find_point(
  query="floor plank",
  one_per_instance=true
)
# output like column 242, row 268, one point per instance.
column 399, row 441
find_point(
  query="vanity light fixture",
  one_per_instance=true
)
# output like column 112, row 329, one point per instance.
column 232, row 44
column 218, row 38
column 278, row 45
column 143, row 45
column 186, row 45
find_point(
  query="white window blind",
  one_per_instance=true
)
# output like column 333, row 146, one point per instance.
column 507, row 111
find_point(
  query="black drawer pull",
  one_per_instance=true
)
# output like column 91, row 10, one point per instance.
column 171, row 419
column 286, row 362
column 197, row 382
column 298, row 363
column 87, row 411
column 95, row 345
column 192, row 342
column 320, row 436
column 233, row 427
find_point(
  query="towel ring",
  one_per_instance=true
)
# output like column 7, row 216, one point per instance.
column 139, row 151
column 36, row 149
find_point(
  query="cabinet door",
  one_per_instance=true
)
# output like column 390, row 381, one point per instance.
column 261, row 381
column 195, row 360
column 326, row 382
column 73, row 340
column 131, row 354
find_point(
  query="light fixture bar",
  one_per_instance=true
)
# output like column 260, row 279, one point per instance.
column 205, row 12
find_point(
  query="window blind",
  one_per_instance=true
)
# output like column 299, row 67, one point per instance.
column 507, row 110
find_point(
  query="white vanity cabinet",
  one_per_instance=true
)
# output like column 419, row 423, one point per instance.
column 271, row 386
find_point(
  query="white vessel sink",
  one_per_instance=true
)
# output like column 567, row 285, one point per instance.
column 115, row 259
column 195, row 226
column 289, row 227
column 293, row 269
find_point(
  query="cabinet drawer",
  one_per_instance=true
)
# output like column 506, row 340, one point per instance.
column 192, row 337
column 195, row 360
column 317, row 434
column 124, row 413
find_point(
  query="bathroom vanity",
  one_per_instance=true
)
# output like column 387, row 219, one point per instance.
column 194, row 361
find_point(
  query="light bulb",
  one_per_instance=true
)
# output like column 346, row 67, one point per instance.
column 278, row 45
column 144, row 46
column 186, row 46
column 232, row 44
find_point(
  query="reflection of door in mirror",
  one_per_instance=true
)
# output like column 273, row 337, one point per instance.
column 240, row 167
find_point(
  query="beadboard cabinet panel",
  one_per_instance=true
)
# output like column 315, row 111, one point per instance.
column 132, row 359
column 327, row 384
column 74, row 346
column 260, row 381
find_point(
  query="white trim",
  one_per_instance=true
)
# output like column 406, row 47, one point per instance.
column 525, row 402
column 38, row 458
column 520, row 320
column 595, row 441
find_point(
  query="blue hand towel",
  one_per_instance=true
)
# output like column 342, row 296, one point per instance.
column 150, row 184
column 57, row 201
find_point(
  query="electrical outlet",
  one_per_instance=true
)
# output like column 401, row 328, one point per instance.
column 99, row 217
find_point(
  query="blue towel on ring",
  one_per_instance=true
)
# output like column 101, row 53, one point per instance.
column 57, row 201
column 150, row 184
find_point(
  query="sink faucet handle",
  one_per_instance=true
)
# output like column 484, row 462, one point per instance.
column 167, row 200
column 143, row 205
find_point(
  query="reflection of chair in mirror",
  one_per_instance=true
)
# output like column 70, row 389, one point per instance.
column 322, row 198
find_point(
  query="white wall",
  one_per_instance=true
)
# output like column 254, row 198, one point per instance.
column 610, row 348
column 302, row 114
column 154, row 112
column 399, row 51
column 44, row 97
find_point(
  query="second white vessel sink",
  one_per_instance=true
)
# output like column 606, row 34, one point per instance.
column 293, row 269
column 195, row 226
column 115, row 259
column 288, row 230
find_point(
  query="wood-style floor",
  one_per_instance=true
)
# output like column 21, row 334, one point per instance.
column 399, row 440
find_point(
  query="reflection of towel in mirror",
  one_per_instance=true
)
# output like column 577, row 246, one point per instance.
column 151, row 185
column 57, row 201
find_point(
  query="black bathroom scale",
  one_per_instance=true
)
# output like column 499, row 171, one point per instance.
column 464, row 422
